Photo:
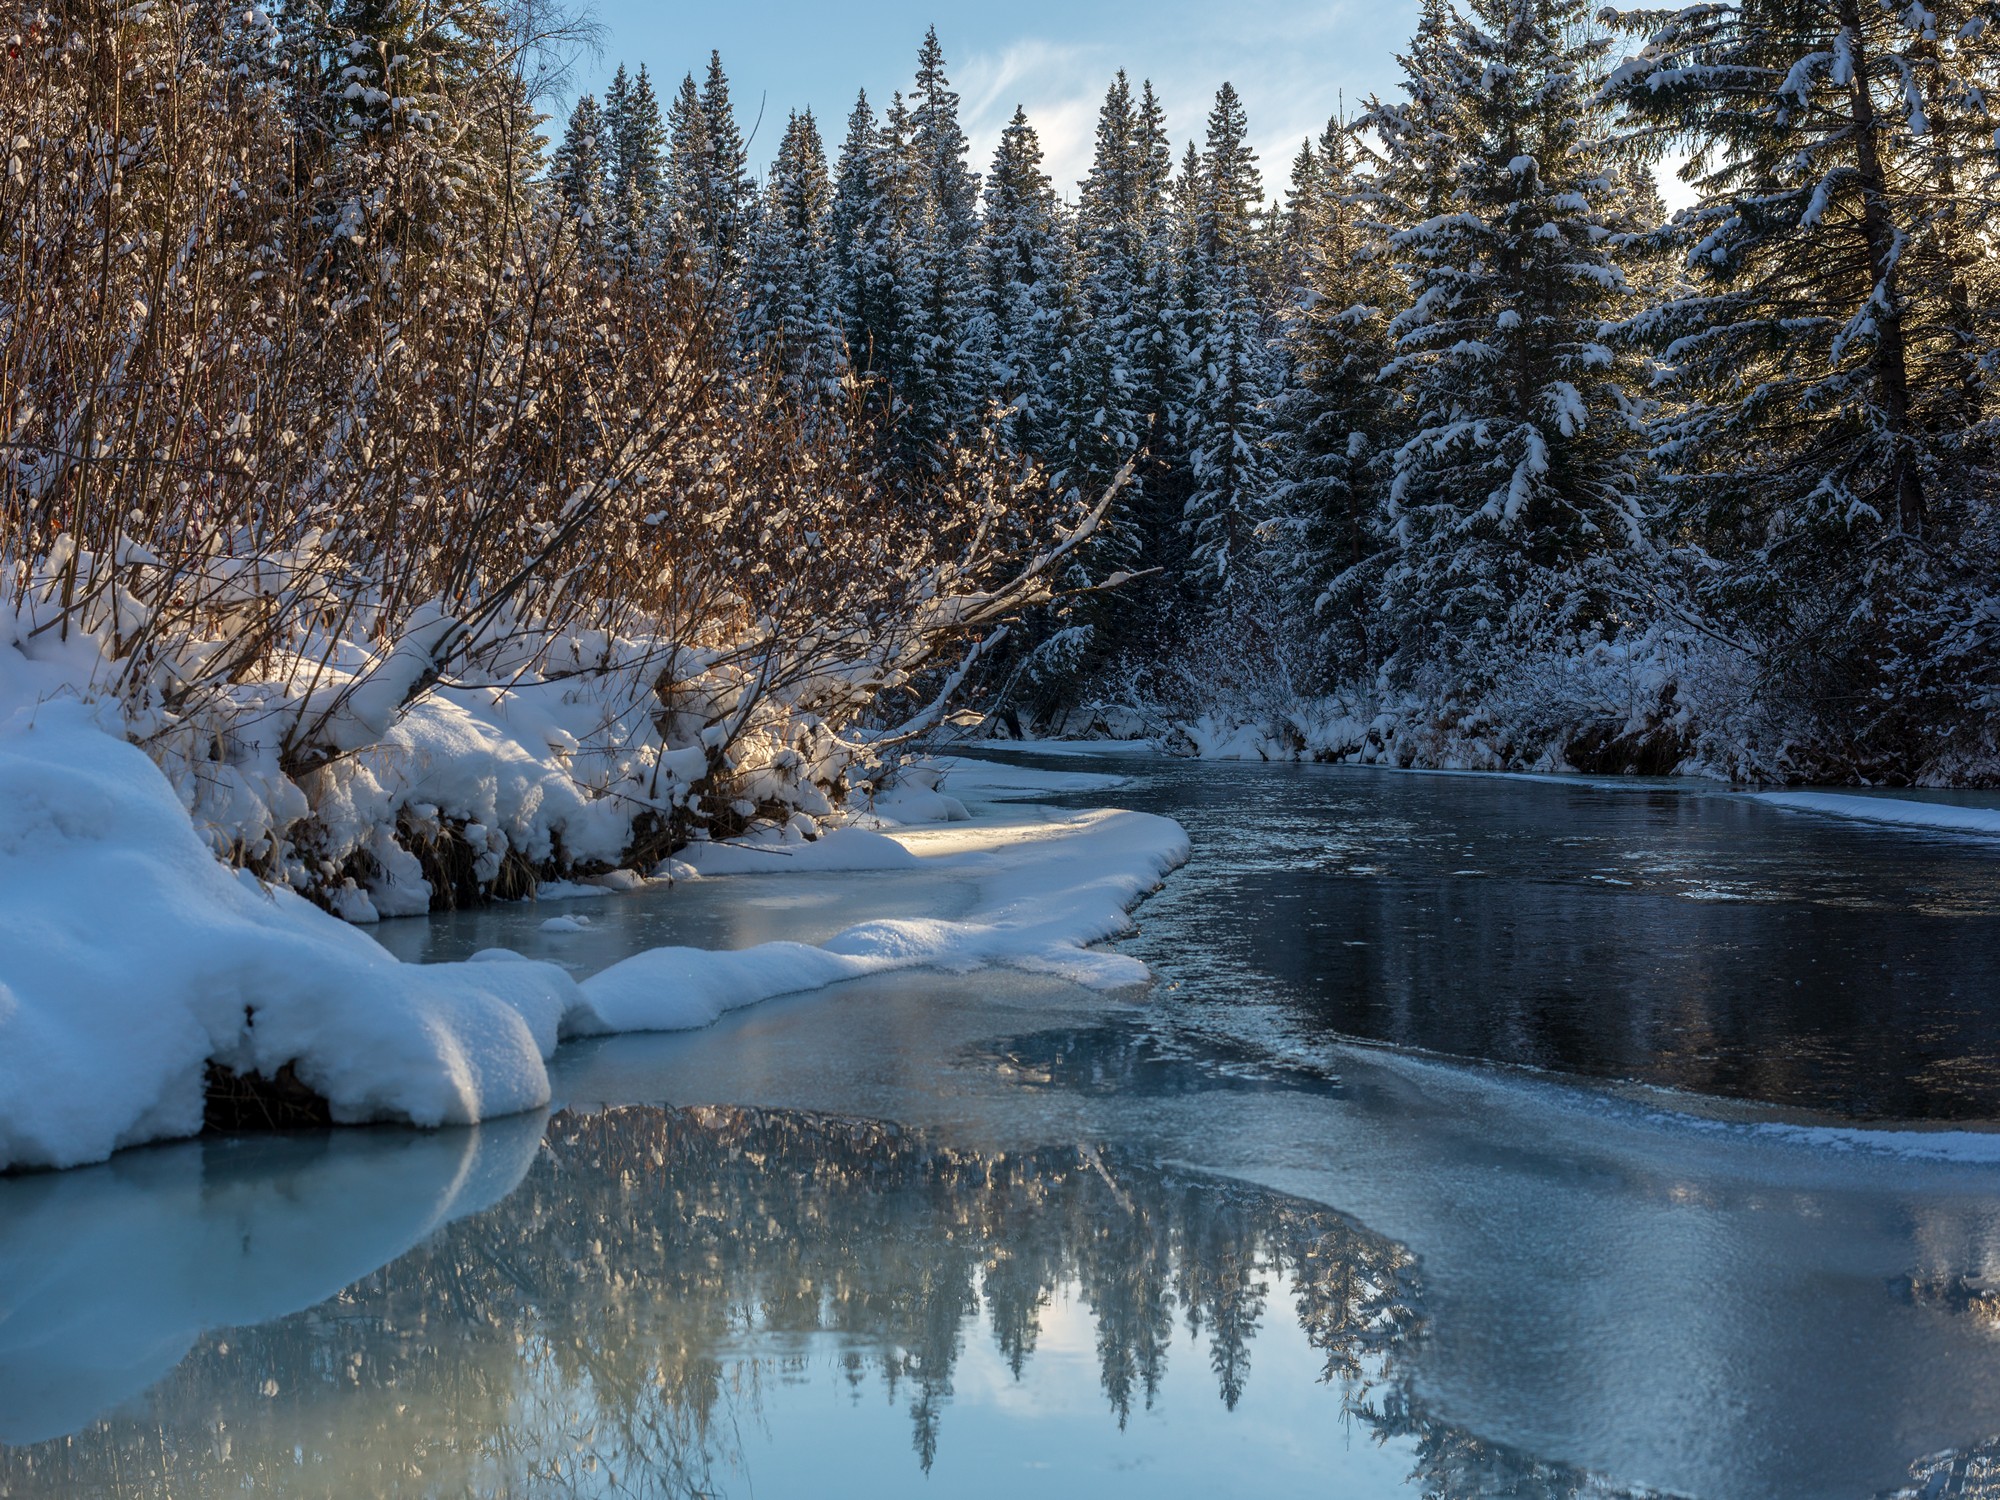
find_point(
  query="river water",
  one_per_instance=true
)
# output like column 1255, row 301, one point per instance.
column 1480, row 1137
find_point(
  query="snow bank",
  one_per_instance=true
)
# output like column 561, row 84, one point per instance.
column 779, row 851
column 1903, row 812
column 1048, row 890
column 129, row 958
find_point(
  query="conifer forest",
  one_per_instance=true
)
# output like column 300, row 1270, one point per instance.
column 1441, row 443
column 1029, row 775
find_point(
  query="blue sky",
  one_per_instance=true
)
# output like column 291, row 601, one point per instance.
column 1289, row 60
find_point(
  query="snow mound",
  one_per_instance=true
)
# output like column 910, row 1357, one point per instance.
column 1903, row 812
column 130, row 958
column 1048, row 891
column 842, row 849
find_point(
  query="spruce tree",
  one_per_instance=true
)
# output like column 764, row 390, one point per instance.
column 1024, row 270
column 1335, row 421
column 638, row 143
column 428, row 114
column 1829, row 345
column 730, row 197
column 866, row 230
column 580, row 167
column 790, row 315
column 689, row 212
column 940, row 366
column 1157, row 359
column 1229, row 462
column 1520, row 469
column 1100, row 419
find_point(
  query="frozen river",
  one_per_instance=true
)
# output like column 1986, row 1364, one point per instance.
column 1479, row 1137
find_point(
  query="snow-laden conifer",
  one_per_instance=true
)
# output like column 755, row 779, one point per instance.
column 1024, row 264
column 1229, row 461
column 1518, row 473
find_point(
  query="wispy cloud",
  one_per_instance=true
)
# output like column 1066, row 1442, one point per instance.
column 1291, row 63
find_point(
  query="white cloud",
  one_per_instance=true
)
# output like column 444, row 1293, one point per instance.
column 1292, row 64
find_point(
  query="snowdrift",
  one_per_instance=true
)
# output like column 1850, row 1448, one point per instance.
column 131, row 959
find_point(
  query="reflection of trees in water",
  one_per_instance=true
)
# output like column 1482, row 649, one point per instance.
column 607, row 1328
column 610, row 1327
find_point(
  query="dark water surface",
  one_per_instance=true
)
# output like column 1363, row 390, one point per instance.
column 990, row 1235
column 1661, row 932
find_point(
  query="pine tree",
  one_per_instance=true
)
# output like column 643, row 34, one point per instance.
column 1519, row 471
column 1024, row 265
column 1228, row 458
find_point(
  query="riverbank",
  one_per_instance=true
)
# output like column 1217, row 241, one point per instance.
column 140, row 976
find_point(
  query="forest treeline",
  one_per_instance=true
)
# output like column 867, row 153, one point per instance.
column 1461, row 448
column 337, row 374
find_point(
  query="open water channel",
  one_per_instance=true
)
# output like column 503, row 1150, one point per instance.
column 1479, row 1137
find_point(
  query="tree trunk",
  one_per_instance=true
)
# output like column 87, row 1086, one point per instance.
column 1891, row 354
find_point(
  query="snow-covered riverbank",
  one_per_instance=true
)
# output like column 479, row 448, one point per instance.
column 131, row 959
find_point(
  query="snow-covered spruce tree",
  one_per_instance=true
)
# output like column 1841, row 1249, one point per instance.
column 709, row 197
column 580, row 167
column 1157, row 355
column 1100, row 424
column 686, row 211
column 1229, row 461
column 1118, row 346
column 1830, row 470
column 867, row 233
column 790, row 319
column 731, row 195
column 939, row 371
column 426, row 132
column 636, row 164
column 1513, row 502
column 1335, row 421
column 1024, row 264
